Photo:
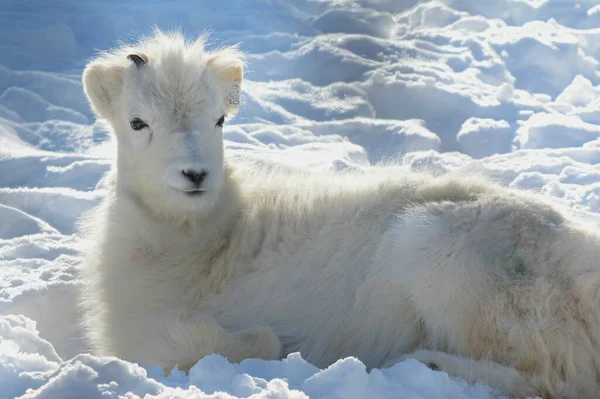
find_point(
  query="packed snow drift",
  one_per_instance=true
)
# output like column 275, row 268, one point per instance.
column 509, row 89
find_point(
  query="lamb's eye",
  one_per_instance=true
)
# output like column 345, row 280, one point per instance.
column 221, row 121
column 138, row 124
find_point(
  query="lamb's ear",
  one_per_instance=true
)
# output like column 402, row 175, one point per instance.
column 102, row 84
column 228, row 66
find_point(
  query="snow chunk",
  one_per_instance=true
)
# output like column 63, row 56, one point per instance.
column 579, row 93
column 430, row 15
column 545, row 130
column 16, row 223
column 594, row 10
column 533, row 52
column 356, row 20
column 33, row 108
column 505, row 92
column 483, row 137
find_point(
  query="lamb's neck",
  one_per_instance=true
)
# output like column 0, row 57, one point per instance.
column 163, row 232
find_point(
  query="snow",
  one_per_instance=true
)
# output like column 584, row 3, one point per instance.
column 506, row 88
column 30, row 363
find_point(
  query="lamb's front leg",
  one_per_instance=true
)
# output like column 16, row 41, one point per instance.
column 182, row 341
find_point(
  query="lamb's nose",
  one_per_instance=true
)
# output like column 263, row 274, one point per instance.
column 195, row 176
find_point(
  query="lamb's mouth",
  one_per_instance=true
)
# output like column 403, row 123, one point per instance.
column 194, row 193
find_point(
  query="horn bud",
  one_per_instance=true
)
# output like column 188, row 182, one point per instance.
column 140, row 60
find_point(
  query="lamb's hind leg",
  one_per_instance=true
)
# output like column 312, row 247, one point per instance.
column 505, row 379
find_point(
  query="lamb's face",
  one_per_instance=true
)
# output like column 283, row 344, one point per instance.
column 167, row 109
column 171, row 133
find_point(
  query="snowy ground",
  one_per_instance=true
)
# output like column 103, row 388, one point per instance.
column 509, row 88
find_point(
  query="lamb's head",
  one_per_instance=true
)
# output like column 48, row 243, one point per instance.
column 166, row 100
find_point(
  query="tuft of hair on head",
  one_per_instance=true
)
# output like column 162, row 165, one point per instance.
column 104, row 76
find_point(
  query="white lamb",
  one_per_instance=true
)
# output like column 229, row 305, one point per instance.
column 192, row 253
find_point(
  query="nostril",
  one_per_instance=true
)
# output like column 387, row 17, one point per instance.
column 195, row 176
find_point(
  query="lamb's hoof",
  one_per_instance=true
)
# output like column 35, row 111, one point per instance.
column 261, row 343
column 433, row 366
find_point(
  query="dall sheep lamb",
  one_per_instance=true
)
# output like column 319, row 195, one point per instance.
column 193, row 253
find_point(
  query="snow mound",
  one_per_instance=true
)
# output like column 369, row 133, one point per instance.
column 30, row 363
